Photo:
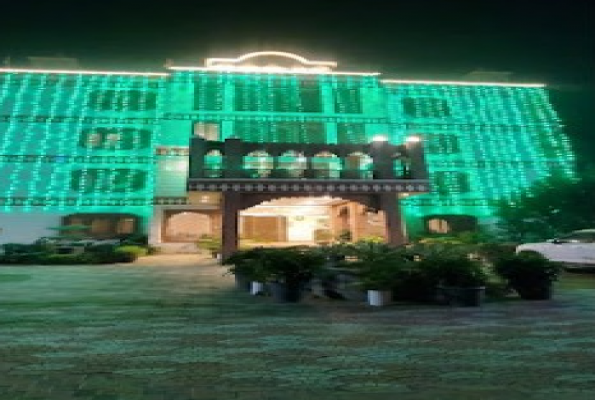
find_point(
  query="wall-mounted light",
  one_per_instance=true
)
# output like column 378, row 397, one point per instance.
column 380, row 138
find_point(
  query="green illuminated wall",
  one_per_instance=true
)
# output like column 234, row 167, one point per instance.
column 111, row 143
column 78, row 143
column 483, row 143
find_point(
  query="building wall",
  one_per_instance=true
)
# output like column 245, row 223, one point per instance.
column 77, row 143
column 112, row 143
column 482, row 144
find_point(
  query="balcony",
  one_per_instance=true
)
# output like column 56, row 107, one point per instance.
column 235, row 165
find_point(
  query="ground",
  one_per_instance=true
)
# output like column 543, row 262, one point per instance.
column 172, row 327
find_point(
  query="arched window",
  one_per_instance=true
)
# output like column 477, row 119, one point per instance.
column 104, row 225
column 326, row 165
column 258, row 164
column 291, row 164
column 213, row 164
column 357, row 166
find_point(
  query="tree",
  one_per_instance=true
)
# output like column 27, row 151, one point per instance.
column 550, row 207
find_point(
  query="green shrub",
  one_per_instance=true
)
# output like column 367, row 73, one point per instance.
column 66, row 259
column 125, row 256
column 417, row 282
column 21, row 259
column 527, row 269
column 491, row 252
column 101, row 249
column 136, row 250
column 134, row 239
column 209, row 243
column 18, row 248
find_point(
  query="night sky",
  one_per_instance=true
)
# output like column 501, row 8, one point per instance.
column 546, row 41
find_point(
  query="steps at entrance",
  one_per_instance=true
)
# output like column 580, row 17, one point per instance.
column 178, row 248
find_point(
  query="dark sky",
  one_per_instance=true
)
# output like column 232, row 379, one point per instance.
column 540, row 39
column 550, row 41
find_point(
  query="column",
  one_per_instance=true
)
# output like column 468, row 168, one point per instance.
column 417, row 165
column 395, row 233
column 229, row 228
column 197, row 156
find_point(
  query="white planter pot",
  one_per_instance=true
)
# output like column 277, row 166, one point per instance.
column 257, row 289
column 379, row 297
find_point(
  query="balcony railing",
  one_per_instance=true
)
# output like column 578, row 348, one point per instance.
column 236, row 159
column 218, row 173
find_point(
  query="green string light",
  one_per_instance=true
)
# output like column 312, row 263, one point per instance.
column 483, row 142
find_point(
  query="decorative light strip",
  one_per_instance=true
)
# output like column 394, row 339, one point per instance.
column 212, row 62
column 464, row 83
column 79, row 72
column 270, row 70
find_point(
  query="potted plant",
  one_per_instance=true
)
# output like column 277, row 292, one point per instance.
column 531, row 275
column 378, row 266
column 245, row 267
column 378, row 281
column 288, row 270
column 461, row 280
column 211, row 244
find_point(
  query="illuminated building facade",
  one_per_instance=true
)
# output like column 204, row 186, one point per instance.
column 112, row 149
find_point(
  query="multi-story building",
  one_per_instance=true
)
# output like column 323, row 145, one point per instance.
column 111, row 150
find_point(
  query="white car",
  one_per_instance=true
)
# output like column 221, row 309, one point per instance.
column 576, row 248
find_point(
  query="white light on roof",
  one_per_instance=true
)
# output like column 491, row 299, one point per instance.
column 79, row 72
column 463, row 83
column 413, row 139
column 380, row 138
column 213, row 62
column 271, row 70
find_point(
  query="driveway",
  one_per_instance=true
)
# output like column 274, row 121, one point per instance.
column 173, row 327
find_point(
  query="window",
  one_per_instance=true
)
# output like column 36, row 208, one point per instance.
column 351, row 133
column 208, row 95
column 99, row 180
column 448, row 224
column 115, row 138
column 281, row 132
column 348, row 100
column 122, row 100
column 426, row 107
column 277, row 96
column 442, row 144
column 102, row 226
column 447, row 182
column 207, row 130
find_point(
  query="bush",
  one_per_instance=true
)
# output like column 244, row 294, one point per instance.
column 138, row 251
column 134, row 239
column 209, row 243
column 66, row 259
column 21, row 259
column 527, row 269
column 491, row 252
column 18, row 248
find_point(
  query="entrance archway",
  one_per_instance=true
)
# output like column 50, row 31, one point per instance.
column 363, row 209
column 184, row 226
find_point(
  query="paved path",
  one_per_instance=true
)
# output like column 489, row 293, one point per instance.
column 173, row 328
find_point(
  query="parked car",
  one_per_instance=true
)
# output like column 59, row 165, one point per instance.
column 576, row 249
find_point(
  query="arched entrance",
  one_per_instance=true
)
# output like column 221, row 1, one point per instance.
column 184, row 226
column 288, row 218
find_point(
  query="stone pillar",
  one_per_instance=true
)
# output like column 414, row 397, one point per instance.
column 197, row 156
column 395, row 232
column 229, row 228
column 381, row 153
column 417, row 164
column 233, row 158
